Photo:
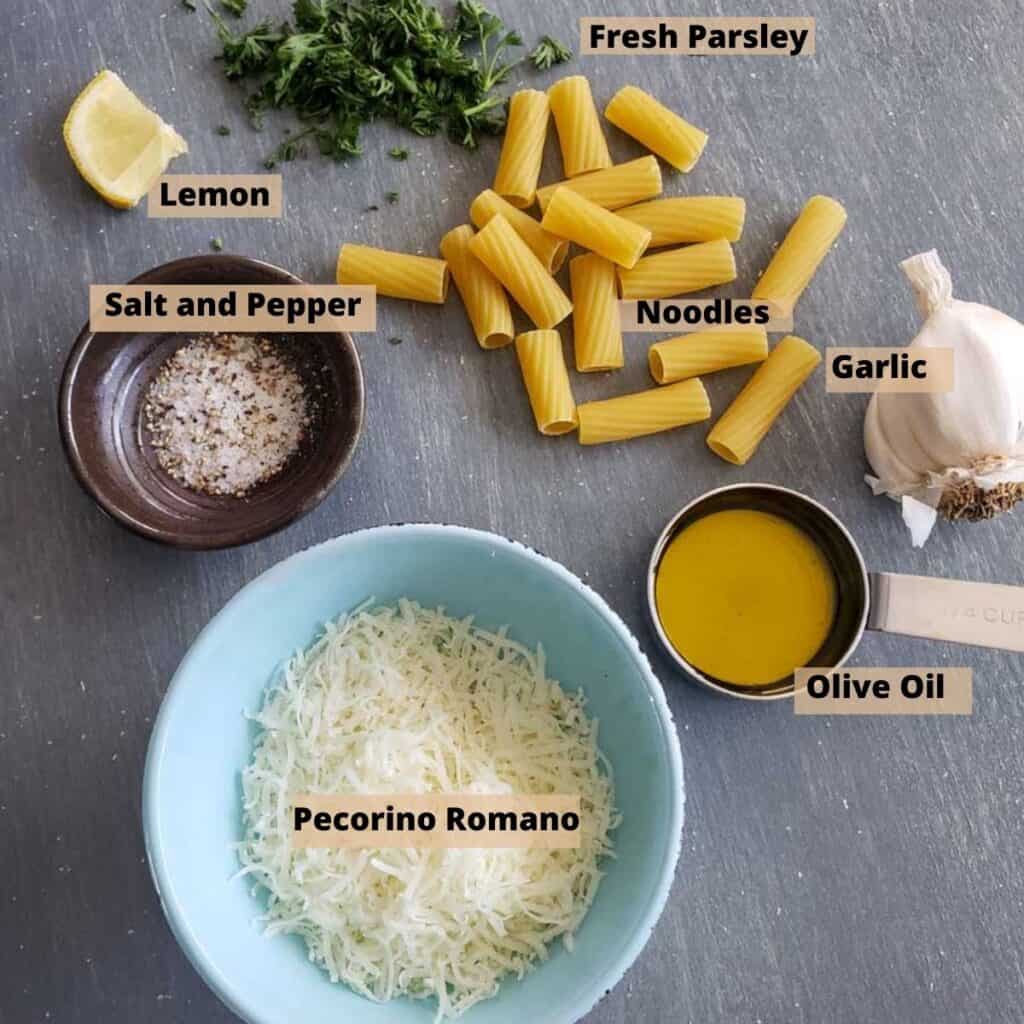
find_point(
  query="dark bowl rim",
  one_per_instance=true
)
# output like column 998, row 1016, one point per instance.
column 304, row 503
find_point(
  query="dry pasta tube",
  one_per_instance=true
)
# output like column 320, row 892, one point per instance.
column 579, row 129
column 804, row 247
column 689, row 219
column 547, row 381
column 661, row 130
column 551, row 251
column 396, row 274
column 679, row 271
column 597, row 335
column 523, row 148
column 484, row 298
column 613, row 187
column 513, row 263
column 694, row 355
column 742, row 426
column 570, row 215
column 644, row 412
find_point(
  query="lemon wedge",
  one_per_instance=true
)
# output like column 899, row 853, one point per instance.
column 118, row 144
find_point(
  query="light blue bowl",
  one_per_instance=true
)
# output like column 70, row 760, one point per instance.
column 201, row 741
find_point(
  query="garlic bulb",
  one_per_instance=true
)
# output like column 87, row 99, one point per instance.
column 960, row 454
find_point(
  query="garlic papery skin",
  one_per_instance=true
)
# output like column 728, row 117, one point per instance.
column 959, row 454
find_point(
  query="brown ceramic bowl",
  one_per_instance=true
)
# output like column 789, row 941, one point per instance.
column 104, row 385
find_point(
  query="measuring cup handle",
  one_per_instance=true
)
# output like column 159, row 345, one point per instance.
column 984, row 614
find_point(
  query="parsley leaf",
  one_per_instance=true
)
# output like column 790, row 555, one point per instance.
column 391, row 197
column 340, row 64
column 236, row 7
column 398, row 153
column 549, row 52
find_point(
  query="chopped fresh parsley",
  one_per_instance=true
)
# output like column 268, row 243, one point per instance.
column 216, row 244
column 189, row 5
column 223, row 129
column 549, row 52
column 398, row 153
column 236, row 7
column 391, row 197
column 394, row 341
column 339, row 65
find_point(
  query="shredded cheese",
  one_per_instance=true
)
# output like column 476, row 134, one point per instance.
column 407, row 699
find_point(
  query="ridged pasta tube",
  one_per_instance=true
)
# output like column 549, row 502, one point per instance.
column 806, row 244
column 396, row 274
column 743, row 425
column 570, row 215
column 547, row 381
column 551, row 251
column 522, row 150
column 644, row 412
column 652, row 124
column 513, row 263
column 613, row 187
column 689, row 219
column 597, row 334
column 693, row 355
column 485, row 300
column 679, row 271
column 579, row 129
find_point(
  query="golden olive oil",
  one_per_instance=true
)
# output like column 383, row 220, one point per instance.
column 745, row 596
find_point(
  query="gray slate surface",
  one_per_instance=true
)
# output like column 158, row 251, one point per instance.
column 847, row 870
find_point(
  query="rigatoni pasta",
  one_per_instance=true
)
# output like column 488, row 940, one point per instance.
column 570, row 215
column 693, row 355
column 522, row 150
column 613, row 187
column 644, row 412
column 661, row 130
column 396, row 274
column 513, row 263
column 597, row 334
column 679, row 271
column 579, row 129
column 689, row 219
column 549, row 249
column 743, row 425
column 484, row 298
column 547, row 381
column 806, row 244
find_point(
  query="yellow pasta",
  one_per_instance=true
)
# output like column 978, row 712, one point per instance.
column 804, row 247
column 597, row 335
column 484, row 298
column 742, row 427
column 644, row 412
column 679, row 271
column 547, row 381
column 689, row 219
column 513, row 263
column 523, row 148
column 613, row 187
column 661, row 130
column 397, row 274
column 693, row 355
column 570, row 215
column 579, row 130
column 551, row 251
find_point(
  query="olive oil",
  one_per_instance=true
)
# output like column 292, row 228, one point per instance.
column 745, row 596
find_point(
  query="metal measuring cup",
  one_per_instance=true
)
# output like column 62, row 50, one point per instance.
column 983, row 614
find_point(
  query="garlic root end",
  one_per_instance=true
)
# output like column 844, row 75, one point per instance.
column 966, row 500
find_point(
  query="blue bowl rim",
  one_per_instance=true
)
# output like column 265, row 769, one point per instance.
column 191, row 944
